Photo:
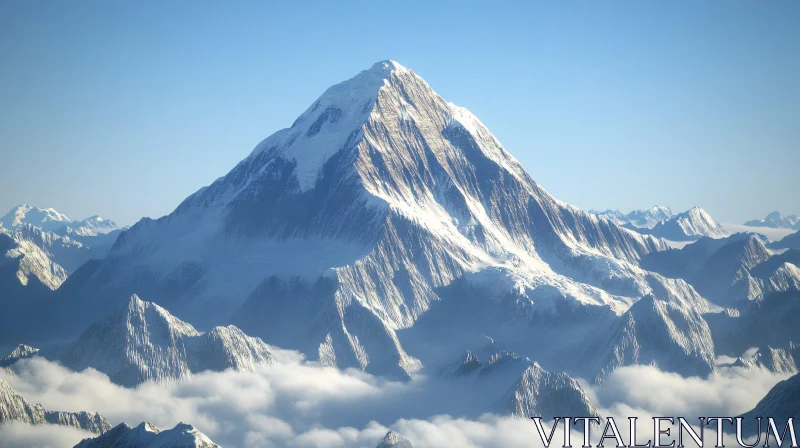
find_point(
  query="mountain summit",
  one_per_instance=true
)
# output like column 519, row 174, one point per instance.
column 382, row 205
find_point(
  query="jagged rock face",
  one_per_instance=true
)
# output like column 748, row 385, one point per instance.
column 22, row 351
column 143, row 342
column 517, row 386
column 62, row 250
column 545, row 394
column 672, row 336
column 775, row 220
column 26, row 261
column 689, row 226
column 13, row 407
column 394, row 440
column 148, row 436
column 338, row 232
column 777, row 360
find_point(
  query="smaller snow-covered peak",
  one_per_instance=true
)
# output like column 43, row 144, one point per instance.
column 142, row 341
column 147, row 435
column 689, row 225
column 22, row 351
column 394, row 440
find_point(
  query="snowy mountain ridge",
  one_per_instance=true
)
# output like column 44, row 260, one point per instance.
column 13, row 407
column 143, row 341
column 688, row 226
column 146, row 435
column 638, row 218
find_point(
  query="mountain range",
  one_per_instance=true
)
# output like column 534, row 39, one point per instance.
column 48, row 246
column 389, row 231
column 638, row 218
column 146, row 435
column 14, row 408
column 775, row 220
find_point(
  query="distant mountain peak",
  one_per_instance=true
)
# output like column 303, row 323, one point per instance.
column 394, row 440
column 147, row 435
column 776, row 220
column 143, row 341
column 44, row 218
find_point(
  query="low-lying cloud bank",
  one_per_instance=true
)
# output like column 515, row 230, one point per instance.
column 294, row 404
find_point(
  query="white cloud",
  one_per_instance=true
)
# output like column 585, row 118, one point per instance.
column 20, row 435
column 298, row 405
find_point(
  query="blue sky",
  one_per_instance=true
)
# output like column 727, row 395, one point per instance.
column 125, row 108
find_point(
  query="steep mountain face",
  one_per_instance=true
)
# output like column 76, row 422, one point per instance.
column 142, row 342
column 638, row 218
column 394, row 440
column 15, row 408
column 781, row 403
column 148, row 436
column 338, row 232
column 24, row 261
column 44, row 218
column 775, row 220
column 541, row 393
column 674, row 337
column 788, row 242
column 729, row 271
column 61, row 250
column 688, row 226
column 770, row 321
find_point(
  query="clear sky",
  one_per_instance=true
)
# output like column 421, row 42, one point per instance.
column 124, row 108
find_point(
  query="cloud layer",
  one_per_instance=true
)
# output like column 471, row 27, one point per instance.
column 294, row 404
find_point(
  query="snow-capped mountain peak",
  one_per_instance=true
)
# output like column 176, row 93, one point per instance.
column 689, row 225
column 147, row 435
column 142, row 341
column 44, row 218
column 373, row 206
column 394, row 440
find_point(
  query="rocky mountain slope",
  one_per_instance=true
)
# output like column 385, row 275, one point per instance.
column 145, row 435
column 13, row 407
column 142, row 342
column 22, row 262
